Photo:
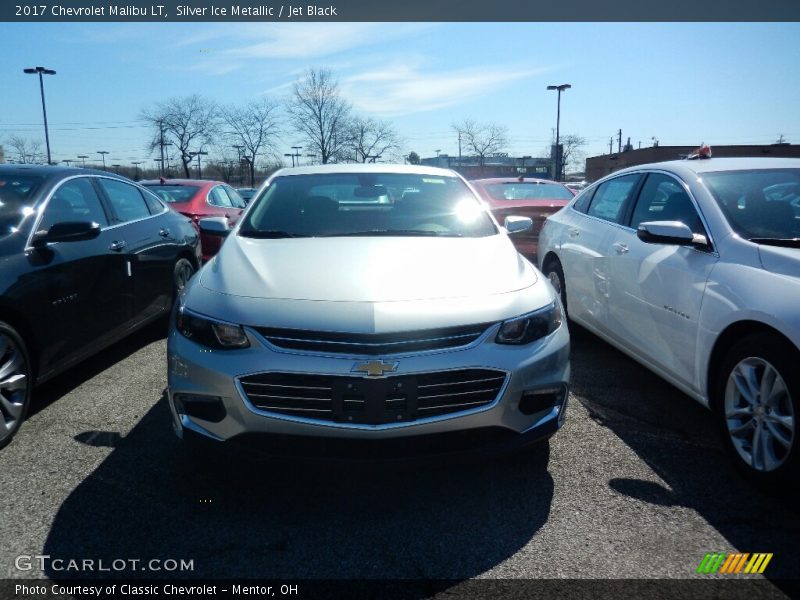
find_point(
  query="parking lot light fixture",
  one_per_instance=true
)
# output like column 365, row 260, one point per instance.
column 83, row 158
column 103, row 153
column 557, row 162
column 43, row 71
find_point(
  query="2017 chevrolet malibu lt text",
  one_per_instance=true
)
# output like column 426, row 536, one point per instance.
column 692, row 267
column 85, row 258
column 367, row 302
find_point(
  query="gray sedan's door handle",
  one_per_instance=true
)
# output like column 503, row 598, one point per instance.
column 116, row 246
column 573, row 232
column 620, row 248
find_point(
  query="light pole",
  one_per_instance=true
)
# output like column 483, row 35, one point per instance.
column 66, row 160
column 103, row 154
column 136, row 166
column 42, row 71
column 197, row 154
column 83, row 158
column 292, row 155
column 557, row 165
column 524, row 158
column 116, row 166
column 297, row 153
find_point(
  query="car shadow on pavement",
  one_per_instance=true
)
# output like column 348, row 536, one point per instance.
column 678, row 439
column 236, row 515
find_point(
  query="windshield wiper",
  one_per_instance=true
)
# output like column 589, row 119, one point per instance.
column 269, row 234
column 395, row 232
column 783, row 242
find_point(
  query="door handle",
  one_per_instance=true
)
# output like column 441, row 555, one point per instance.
column 165, row 232
column 573, row 232
column 116, row 246
column 620, row 248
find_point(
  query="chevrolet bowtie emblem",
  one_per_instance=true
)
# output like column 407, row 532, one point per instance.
column 375, row 368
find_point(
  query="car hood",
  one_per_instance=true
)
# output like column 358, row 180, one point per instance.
column 782, row 261
column 358, row 269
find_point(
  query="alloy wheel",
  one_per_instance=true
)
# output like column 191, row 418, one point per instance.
column 183, row 273
column 759, row 414
column 13, row 386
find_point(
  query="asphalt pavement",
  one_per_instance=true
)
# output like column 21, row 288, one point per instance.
column 635, row 486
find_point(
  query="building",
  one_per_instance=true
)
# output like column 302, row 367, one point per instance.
column 600, row 166
column 498, row 165
column 2, row 155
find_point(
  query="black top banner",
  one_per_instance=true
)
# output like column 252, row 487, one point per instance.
column 398, row 10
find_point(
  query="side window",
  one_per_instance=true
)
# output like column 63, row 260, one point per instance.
column 76, row 200
column 582, row 203
column 236, row 199
column 152, row 203
column 126, row 200
column 610, row 196
column 663, row 199
column 218, row 197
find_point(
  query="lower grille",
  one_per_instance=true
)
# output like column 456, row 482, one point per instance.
column 398, row 398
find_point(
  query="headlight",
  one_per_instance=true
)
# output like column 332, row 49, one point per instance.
column 214, row 334
column 530, row 327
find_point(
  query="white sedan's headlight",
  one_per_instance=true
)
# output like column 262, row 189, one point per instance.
column 211, row 333
column 530, row 327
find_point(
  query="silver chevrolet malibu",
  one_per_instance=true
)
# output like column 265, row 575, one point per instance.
column 368, row 304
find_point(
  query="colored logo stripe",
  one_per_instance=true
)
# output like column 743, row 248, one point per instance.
column 733, row 563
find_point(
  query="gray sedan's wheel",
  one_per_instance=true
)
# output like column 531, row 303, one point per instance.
column 15, row 382
column 759, row 406
column 183, row 272
column 555, row 274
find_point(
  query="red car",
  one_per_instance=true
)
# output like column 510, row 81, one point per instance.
column 197, row 199
column 524, row 197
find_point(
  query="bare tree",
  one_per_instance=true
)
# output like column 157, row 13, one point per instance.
column 26, row 151
column 572, row 154
column 319, row 114
column 255, row 128
column 189, row 123
column 369, row 139
column 482, row 139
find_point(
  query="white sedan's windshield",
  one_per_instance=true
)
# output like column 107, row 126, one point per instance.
column 760, row 204
column 369, row 204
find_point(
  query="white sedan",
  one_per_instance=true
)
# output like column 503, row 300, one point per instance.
column 692, row 268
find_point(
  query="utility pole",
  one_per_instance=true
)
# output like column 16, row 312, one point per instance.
column 619, row 141
column 161, row 144
column 611, row 145
column 459, row 149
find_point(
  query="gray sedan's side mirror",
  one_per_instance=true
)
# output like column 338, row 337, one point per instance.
column 517, row 224
column 669, row 232
column 214, row 226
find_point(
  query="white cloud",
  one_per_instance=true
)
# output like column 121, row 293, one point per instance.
column 401, row 88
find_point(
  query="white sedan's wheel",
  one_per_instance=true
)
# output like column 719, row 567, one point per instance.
column 758, row 396
column 759, row 414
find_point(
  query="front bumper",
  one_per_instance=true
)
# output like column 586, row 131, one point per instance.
column 539, row 368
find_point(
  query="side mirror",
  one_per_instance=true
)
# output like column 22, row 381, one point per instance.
column 214, row 226
column 669, row 232
column 518, row 224
column 68, row 231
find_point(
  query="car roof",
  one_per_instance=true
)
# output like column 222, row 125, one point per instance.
column 514, row 180
column 711, row 165
column 366, row 168
column 56, row 171
column 187, row 182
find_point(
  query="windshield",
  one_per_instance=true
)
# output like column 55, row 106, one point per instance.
column 17, row 197
column 369, row 204
column 174, row 193
column 759, row 204
column 528, row 190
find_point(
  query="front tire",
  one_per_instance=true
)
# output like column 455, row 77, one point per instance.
column 758, row 405
column 15, row 382
column 184, row 270
column 555, row 274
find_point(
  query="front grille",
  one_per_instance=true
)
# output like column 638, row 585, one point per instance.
column 330, row 342
column 374, row 401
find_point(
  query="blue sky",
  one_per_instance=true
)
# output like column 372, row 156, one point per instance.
column 681, row 83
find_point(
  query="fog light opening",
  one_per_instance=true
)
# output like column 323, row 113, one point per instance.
column 207, row 408
column 542, row 399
